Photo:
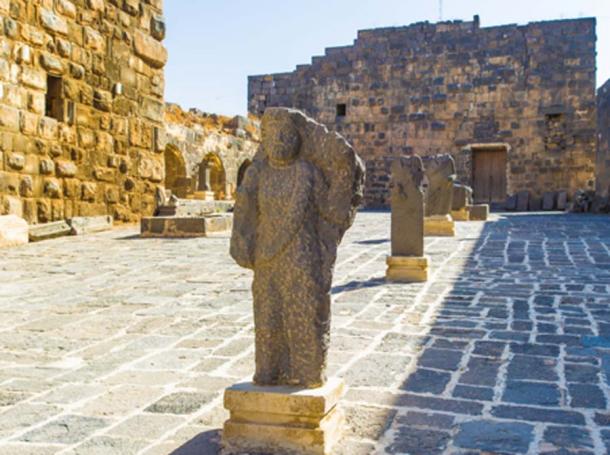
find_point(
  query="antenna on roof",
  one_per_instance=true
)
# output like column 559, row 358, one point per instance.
column 440, row 10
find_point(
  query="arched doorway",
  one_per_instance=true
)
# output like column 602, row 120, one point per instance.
column 175, row 171
column 212, row 176
column 241, row 172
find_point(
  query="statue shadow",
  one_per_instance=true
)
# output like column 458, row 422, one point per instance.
column 373, row 242
column 206, row 443
column 358, row 284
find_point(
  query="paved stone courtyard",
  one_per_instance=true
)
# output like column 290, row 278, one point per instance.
column 110, row 344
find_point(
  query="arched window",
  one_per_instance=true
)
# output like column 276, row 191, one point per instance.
column 212, row 176
column 175, row 171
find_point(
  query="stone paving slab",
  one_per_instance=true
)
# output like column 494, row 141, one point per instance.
column 111, row 344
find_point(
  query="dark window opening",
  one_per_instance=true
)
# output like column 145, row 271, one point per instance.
column 556, row 136
column 341, row 110
column 54, row 99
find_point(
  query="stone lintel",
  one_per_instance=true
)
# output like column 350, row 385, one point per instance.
column 407, row 269
column 38, row 232
column 439, row 226
column 282, row 419
column 90, row 224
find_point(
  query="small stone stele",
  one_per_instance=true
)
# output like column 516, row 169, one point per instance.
column 407, row 262
column 440, row 175
column 462, row 198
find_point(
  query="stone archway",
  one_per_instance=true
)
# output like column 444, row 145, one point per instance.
column 212, row 176
column 175, row 171
column 241, row 172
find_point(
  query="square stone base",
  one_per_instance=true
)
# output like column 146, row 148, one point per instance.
column 186, row 227
column 439, row 226
column 460, row 215
column 283, row 419
column 479, row 212
column 204, row 195
column 406, row 269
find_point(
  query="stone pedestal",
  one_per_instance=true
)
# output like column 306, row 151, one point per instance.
column 405, row 269
column 13, row 231
column 461, row 214
column 281, row 419
column 185, row 227
column 439, row 226
column 479, row 212
column 204, row 195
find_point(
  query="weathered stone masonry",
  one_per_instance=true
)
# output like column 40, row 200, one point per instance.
column 517, row 103
column 81, row 107
column 207, row 148
column 603, row 128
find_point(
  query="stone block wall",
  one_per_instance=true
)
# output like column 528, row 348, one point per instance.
column 196, row 139
column 440, row 88
column 81, row 108
column 603, row 128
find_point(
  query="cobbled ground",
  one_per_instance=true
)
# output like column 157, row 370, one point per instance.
column 111, row 344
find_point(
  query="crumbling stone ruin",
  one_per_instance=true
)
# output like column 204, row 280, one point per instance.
column 207, row 152
column 514, row 104
column 602, row 176
column 81, row 108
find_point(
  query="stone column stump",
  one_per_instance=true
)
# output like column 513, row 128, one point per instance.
column 440, row 176
column 283, row 418
column 407, row 264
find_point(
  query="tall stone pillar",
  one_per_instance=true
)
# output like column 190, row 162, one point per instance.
column 407, row 262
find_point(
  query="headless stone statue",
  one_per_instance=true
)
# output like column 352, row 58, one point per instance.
column 407, row 207
column 297, row 199
column 440, row 175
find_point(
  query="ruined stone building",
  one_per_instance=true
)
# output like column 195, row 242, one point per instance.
column 207, row 152
column 81, row 107
column 515, row 105
column 603, row 128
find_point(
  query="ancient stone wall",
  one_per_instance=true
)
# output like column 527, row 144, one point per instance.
column 81, row 107
column 603, row 128
column 197, row 141
column 453, row 88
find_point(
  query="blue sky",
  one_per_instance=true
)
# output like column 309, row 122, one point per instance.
column 215, row 44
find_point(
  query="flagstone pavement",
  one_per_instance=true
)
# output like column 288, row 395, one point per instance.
column 111, row 344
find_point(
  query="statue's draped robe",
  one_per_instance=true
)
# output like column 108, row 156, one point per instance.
column 281, row 231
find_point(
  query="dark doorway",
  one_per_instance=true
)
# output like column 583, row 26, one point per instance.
column 489, row 175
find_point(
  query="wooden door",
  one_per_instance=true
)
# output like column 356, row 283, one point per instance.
column 489, row 176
